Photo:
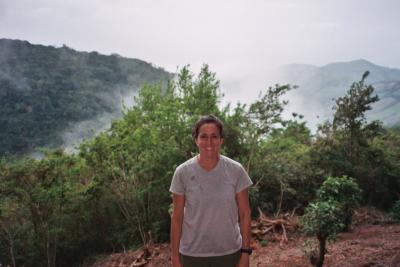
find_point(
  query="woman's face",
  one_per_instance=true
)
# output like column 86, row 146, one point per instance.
column 209, row 140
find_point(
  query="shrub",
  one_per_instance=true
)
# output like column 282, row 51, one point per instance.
column 345, row 191
column 395, row 211
column 331, row 212
column 323, row 219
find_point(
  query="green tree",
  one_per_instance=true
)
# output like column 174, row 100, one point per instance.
column 352, row 146
column 382, row 169
column 37, row 210
column 349, row 118
column 345, row 191
column 323, row 219
column 329, row 213
column 285, row 178
column 264, row 115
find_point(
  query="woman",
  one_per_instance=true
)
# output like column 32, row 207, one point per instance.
column 211, row 219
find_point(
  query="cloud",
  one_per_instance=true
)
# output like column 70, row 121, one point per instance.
column 240, row 40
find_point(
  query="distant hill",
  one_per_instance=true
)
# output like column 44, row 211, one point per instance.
column 319, row 85
column 45, row 91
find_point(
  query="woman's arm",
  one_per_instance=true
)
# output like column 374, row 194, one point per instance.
column 242, row 199
column 176, row 227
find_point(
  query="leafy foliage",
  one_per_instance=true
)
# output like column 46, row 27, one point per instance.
column 345, row 191
column 283, row 169
column 323, row 218
column 349, row 118
column 337, row 198
column 42, row 196
column 331, row 212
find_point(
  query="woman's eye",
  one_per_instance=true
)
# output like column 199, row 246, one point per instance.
column 205, row 137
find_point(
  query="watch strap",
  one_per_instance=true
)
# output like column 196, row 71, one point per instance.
column 246, row 250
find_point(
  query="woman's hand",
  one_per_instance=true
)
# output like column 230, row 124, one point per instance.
column 242, row 199
column 244, row 260
column 176, row 262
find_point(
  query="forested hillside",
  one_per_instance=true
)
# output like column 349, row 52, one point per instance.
column 45, row 90
column 66, row 209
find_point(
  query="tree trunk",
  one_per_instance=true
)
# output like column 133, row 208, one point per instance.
column 12, row 253
column 280, row 200
column 10, row 240
column 50, row 249
column 322, row 248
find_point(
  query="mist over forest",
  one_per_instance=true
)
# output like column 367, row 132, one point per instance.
column 58, row 97
column 52, row 97
column 320, row 86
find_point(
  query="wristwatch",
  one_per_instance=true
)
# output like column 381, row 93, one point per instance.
column 246, row 250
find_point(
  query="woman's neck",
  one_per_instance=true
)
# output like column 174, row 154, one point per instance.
column 207, row 163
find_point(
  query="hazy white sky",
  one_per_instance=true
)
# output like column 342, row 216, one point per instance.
column 240, row 39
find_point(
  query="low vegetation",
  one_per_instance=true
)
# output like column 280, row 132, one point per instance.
column 113, row 194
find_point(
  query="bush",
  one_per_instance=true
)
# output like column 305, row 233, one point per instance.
column 322, row 218
column 395, row 211
column 331, row 212
column 345, row 191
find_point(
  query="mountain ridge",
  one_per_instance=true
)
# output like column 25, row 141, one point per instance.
column 318, row 86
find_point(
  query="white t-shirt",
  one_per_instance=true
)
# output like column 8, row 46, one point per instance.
column 210, row 221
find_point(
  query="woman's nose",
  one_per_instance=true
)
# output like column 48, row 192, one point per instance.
column 209, row 140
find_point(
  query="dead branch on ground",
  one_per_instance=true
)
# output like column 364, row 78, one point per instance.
column 277, row 226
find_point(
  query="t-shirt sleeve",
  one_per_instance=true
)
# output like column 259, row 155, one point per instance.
column 177, row 186
column 243, row 180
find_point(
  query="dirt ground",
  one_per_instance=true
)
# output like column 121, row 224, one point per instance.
column 365, row 245
column 371, row 242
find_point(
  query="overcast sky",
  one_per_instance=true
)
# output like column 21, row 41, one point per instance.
column 241, row 40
